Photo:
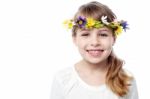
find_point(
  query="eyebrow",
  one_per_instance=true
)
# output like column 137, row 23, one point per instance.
column 107, row 30
column 84, row 30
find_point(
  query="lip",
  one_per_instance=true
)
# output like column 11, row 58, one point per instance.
column 95, row 52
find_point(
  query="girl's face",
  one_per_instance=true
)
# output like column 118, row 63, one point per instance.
column 94, row 45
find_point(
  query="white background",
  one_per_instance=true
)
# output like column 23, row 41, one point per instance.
column 34, row 45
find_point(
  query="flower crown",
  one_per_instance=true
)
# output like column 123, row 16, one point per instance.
column 88, row 23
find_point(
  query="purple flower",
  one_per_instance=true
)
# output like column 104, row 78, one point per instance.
column 124, row 24
column 81, row 21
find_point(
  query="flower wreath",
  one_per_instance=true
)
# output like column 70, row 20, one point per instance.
column 88, row 23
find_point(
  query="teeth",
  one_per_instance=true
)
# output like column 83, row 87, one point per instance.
column 95, row 52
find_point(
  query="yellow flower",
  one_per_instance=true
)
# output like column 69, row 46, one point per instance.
column 118, row 30
column 68, row 24
column 90, row 22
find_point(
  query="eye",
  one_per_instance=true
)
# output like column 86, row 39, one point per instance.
column 103, row 34
column 85, row 34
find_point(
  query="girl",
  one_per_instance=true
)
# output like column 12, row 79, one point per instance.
column 100, row 74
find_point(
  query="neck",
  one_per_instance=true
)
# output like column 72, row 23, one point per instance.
column 101, row 67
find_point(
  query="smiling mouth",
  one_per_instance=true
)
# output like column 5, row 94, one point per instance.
column 95, row 52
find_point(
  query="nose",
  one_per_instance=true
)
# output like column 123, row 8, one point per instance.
column 95, row 41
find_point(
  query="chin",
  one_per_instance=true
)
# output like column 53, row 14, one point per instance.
column 95, row 61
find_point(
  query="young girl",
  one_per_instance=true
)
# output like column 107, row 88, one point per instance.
column 100, row 74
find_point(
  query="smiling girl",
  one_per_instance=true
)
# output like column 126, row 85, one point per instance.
column 100, row 74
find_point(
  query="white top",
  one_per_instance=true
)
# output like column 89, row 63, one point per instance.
column 68, row 85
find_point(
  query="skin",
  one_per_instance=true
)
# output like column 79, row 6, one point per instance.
column 94, row 45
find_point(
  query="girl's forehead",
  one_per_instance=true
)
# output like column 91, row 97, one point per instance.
column 94, row 29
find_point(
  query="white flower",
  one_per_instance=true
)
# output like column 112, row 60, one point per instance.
column 104, row 20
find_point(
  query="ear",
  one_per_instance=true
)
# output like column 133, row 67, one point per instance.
column 114, row 40
column 74, row 40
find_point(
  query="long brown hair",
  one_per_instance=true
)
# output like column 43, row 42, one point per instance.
column 116, row 79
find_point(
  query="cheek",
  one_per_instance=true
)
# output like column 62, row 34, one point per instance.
column 108, row 48
column 108, row 45
column 80, row 44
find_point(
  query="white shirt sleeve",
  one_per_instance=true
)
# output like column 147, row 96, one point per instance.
column 133, row 94
column 57, row 90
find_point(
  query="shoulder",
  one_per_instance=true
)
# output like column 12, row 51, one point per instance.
column 129, row 73
column 66, row 79
column 65, row 75
column 62, row 83
column 133, row 91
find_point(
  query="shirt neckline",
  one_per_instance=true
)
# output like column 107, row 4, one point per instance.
column 84, row 84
